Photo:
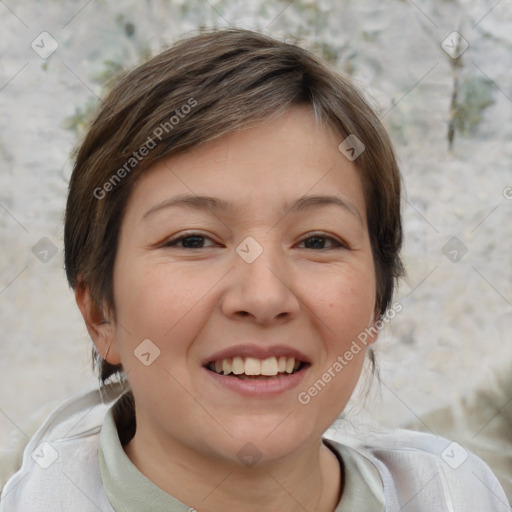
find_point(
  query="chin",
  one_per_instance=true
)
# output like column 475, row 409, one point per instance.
column 257, row 441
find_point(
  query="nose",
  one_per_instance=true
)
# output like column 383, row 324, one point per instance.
column 261, row 290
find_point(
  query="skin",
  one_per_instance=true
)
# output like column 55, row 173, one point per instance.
column 314, row 295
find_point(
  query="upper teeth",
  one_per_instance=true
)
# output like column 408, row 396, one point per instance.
column 252, row 366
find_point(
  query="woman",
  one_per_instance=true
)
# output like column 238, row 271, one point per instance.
column 232, row 236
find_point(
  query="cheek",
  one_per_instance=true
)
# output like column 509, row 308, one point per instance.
column 347, row 304
column 345, row 309
column 170, row 309
column 148, row 301
column 150, row 327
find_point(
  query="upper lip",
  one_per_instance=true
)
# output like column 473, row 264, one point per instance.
column 258, row 352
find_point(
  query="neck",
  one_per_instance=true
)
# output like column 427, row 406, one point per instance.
column 309, row 480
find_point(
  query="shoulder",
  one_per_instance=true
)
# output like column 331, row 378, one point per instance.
column 60, row 461
column 427, row 472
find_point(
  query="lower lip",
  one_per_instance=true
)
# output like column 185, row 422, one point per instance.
column 259, row 388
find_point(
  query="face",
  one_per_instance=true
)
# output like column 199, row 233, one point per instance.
column 230, row 309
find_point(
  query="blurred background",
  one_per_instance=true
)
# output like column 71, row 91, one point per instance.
column 439, row 74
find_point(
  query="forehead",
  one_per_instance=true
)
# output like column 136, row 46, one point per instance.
column 268, row 165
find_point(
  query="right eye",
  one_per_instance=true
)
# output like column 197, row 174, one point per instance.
column 188, row 241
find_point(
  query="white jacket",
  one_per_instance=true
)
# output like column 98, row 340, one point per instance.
column 420, row 472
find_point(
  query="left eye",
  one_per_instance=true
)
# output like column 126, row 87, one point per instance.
column 318, row 242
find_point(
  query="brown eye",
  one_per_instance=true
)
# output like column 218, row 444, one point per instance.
column 189, row 241
column 319, row 242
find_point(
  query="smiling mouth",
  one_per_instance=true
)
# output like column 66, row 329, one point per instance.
column 251, row 368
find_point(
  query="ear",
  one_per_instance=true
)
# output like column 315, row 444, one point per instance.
column 101, row 330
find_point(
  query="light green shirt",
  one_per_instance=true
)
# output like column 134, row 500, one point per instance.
column 128, row 489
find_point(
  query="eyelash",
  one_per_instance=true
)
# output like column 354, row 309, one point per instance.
column 175, row 241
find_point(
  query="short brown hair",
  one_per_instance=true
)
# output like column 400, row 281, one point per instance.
column 201, row 88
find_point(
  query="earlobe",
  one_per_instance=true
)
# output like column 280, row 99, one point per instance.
column 101, row 330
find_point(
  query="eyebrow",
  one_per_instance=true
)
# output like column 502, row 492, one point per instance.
column 303, row 203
